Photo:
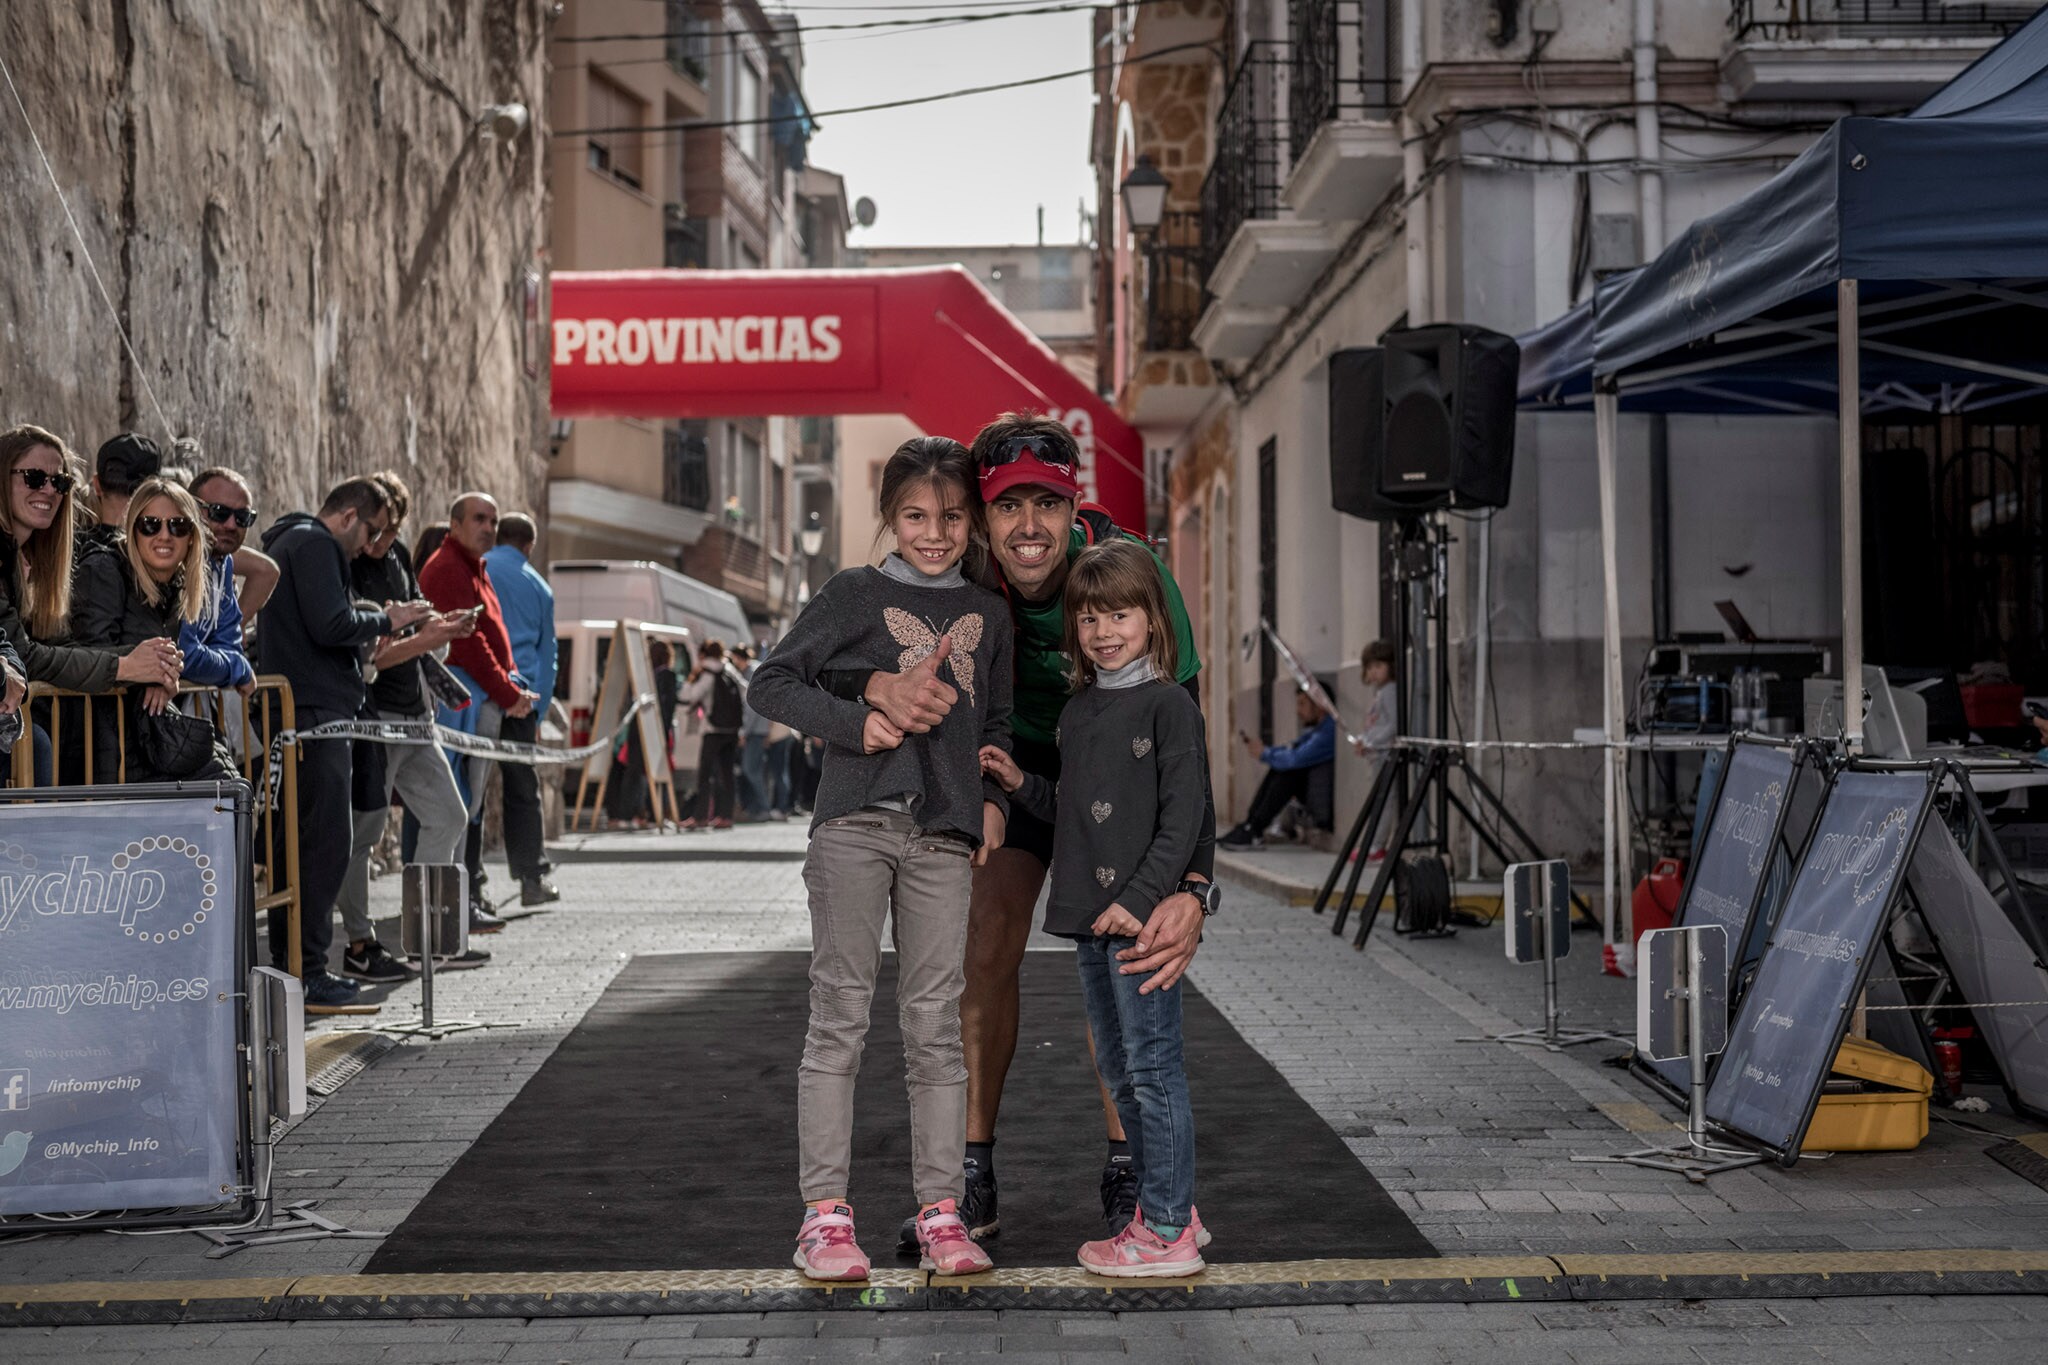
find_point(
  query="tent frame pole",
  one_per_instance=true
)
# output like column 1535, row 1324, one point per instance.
column 1606, row 435
column 1849, row 398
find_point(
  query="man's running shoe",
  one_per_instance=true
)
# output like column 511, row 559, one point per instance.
column 1138, row 1253
column 373, row 963
column 326, row 990
column 825, row 1249
column 1119, row 1194
column 943, row 1243
column 978, row 1203
column 469, row 959
column 1241, row 837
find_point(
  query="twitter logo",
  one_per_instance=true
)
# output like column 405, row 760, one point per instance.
column 13, row 1150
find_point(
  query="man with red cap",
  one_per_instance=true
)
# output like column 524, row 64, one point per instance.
column 1027, row 466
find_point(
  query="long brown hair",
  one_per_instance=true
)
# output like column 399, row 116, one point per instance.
column 44, row 558
column 193, row 583
column 943, row 463
column 1118, row 575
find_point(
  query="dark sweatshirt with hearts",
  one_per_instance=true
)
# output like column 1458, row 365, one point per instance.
column 889, row 619
column 1128, row 810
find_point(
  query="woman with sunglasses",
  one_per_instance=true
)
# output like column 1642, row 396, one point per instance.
column 147, row 584
column 36, row 516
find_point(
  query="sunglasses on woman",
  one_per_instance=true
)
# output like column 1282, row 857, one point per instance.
column 38, row 479
column 181, row 527
column 222, row 513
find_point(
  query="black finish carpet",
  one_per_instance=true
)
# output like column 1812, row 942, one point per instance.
column 661, row 1135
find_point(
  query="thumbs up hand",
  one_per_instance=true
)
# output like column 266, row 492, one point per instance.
column 914, row 701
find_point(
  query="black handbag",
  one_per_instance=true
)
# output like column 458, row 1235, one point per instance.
column 173, row 744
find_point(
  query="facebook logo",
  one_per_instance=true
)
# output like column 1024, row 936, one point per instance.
column 14, row 1088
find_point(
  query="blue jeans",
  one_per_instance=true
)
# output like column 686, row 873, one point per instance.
column 755, row 792
column 1138, row 1055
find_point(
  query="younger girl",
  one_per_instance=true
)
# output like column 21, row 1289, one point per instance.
column 897, row 822
column 1130, row 805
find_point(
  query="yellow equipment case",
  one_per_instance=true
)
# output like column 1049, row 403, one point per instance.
column 1875, row 1101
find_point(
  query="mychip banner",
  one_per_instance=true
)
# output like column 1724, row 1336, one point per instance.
column 1784, row 1035
column 119, row 1001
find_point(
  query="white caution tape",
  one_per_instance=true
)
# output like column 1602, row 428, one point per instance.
column 427, row 732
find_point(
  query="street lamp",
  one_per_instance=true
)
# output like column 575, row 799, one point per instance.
column 812, row 538
column 1144, row 192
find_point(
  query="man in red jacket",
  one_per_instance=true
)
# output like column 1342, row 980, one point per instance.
column 504, row 707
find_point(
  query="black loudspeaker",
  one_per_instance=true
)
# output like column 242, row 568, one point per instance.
column 1449, row 430
column 1357, row 415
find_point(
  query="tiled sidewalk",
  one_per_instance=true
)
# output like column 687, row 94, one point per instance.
column 1474, row 1138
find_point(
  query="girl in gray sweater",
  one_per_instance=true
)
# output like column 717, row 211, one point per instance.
column 1126, row 816
column 899, row 822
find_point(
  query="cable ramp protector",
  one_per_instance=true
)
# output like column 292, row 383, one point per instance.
column 1456, row 1279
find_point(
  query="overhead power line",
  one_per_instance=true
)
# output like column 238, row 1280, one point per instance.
column 691, row 125
column 662, row 35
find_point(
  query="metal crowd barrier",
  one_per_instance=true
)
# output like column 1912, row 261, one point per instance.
column 246, row 725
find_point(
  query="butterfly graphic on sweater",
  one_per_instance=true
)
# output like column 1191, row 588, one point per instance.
column 920, row 639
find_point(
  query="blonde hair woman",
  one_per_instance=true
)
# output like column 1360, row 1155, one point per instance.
column 145, row 585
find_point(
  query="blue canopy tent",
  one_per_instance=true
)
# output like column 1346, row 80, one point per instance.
column 1897, row 263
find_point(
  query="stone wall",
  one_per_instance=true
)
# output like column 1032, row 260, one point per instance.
column 322, row 262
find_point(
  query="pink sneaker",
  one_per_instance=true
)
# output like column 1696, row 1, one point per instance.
column 825, row 1249
column 944, row 1245
column 1202, row 1237
column 1138, row 1253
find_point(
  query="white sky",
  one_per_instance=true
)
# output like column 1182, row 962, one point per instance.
column 958, row 172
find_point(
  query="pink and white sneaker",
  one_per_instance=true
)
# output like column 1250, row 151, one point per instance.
column 943, row 1244
column 825, row 1249
column 1202, row 1237
column 1138, row 1253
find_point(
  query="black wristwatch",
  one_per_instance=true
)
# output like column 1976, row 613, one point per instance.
column 1208, row 893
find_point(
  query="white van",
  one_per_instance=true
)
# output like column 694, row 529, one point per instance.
column 636, row 590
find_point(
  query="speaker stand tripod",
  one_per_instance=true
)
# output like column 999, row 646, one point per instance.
column 1415, row 778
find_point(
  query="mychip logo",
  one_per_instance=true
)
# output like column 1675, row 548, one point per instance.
column 130, row 889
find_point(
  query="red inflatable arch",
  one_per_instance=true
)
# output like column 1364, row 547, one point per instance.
column 929, row 343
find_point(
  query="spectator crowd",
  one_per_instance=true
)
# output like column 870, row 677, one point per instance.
column 151, row 584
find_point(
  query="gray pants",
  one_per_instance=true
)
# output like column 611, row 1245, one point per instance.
column 860, row 867
column 419, row 773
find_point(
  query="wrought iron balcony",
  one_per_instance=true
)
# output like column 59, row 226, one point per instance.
column 686, row 243
column 689, row 41
column 1250, row 160
column 1172, row 281
column 1826, row 20
column 685, row 468
column 1346, row 63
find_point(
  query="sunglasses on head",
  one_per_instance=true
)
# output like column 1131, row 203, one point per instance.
column 37, row 479
column 222, row 513
column 180, row 527
column 1017, row 447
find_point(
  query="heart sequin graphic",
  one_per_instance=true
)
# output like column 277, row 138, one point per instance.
column 1105, row 875
column 1140, row 747
column 1100, row 810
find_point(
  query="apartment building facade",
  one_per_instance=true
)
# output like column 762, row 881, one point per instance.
column 1348, row 166
column 723, row 500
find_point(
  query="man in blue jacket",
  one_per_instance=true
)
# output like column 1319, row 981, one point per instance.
column 214, row 657
column 528, row 606
column 1298, row 771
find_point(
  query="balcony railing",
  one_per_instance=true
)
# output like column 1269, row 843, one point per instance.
column 1346, row 60
column 689, row 41
column 685, row 245
column 1172, row 282
column 1250, row 162
column 1822, row 20
column 685, row 469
